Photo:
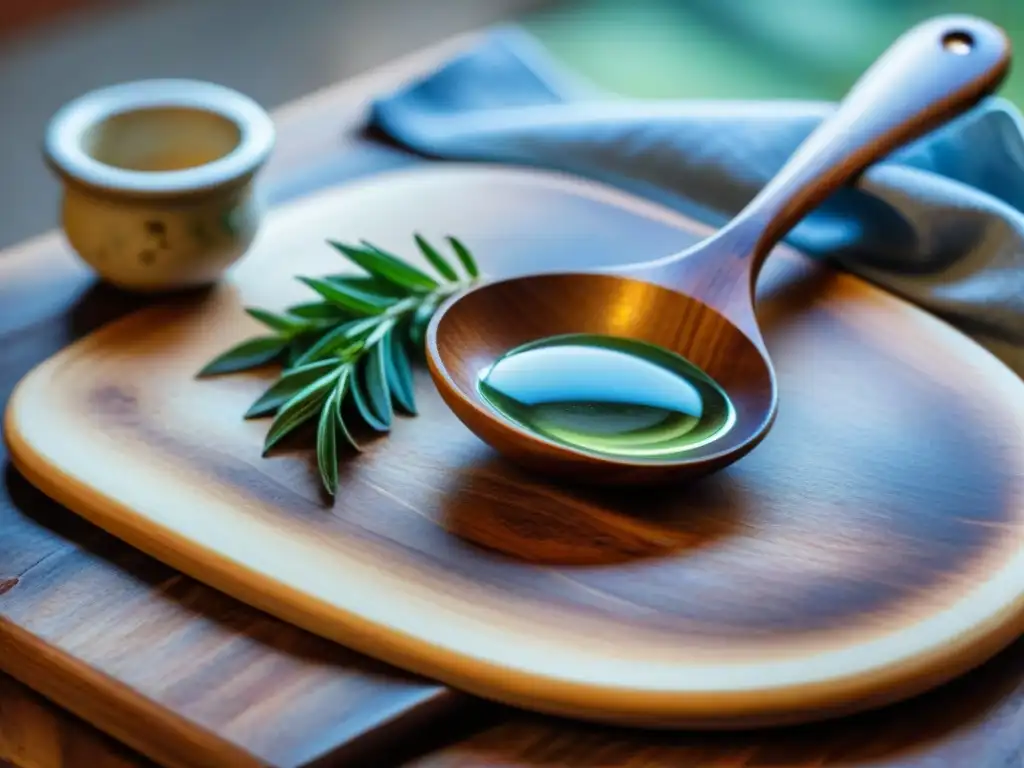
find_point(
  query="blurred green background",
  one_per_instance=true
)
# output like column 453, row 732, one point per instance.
column 744, row 48
column 277, row 51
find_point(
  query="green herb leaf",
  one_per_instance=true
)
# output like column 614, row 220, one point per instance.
column 420, row 321
column 348, row 297
column 319, row 310
column 286, row 387
column 288, row 326
column 330, row 424
column 371, row 284
column 297, row 347
column 465, row 257
column 249, row 354
column 354, row 342
column 399, row 373
column 327, row 444
column 378, row 332
column 300, row 409
column 388, row 267
column 362, row 402
column 325, row 346
column 344, row 381
column 437, row 260
column 337, row 339
column 375, row 379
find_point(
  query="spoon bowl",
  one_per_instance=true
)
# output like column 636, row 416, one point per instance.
column 700, row 303
column 474, row 331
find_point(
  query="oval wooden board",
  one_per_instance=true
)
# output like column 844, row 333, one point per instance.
column 871, row 547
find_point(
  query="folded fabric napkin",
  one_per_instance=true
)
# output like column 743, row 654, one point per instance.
column 939, row 222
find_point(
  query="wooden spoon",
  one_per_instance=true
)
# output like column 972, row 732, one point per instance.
column 700, row 303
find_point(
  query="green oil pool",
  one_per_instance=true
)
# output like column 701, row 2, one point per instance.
column 608, row 395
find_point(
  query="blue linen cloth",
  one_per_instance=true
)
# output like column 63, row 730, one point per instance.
column 939, row 222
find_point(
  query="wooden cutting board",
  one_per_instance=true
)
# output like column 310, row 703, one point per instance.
column 869, row 549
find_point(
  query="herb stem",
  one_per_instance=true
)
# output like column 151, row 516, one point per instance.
column 351, row 347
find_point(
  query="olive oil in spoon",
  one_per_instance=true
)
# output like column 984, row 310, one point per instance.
column 607, row 395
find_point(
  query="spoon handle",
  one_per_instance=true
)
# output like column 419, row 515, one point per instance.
column 931, row 73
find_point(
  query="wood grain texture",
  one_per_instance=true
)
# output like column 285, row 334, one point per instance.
column 88, row 620
column 815, row 577
column 34, row 734
column 975, row 722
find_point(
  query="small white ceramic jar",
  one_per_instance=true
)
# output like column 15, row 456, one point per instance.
column 158, row 178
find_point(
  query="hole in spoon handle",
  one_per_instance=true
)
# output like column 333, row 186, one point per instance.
column 929, row 75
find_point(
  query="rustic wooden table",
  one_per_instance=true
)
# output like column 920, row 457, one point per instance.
column 53, row 567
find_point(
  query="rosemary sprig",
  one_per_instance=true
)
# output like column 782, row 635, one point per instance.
column 350, row 346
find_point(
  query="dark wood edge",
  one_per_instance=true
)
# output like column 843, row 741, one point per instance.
column 116, row 709
column 18, row 17
column 36, row 734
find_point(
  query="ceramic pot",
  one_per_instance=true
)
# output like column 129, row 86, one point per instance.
column 159, row 178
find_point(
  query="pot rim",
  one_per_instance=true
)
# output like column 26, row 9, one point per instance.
column 64, row 150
